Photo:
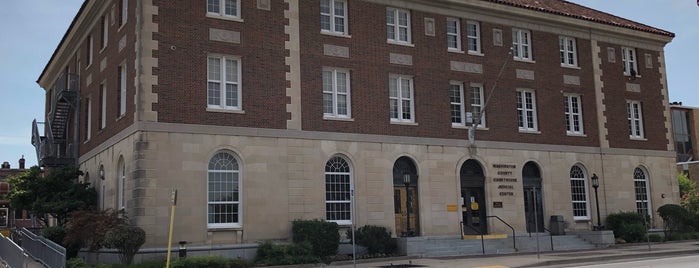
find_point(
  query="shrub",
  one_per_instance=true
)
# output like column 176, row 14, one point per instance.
column 55, row 234
column 76, row 263
column 209, row 261
column 270, row 254
column 629, row 226
column 655, row 238
column 127, row 240
column 323, row 236
column 676, row 218
column 377, row 239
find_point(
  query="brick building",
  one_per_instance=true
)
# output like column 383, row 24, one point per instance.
column 684, row 127
column 11, row 218
column 260, row 112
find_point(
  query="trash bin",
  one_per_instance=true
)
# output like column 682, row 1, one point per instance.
column 557, row 225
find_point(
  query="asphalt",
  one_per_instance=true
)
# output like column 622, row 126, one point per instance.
column 614, row 253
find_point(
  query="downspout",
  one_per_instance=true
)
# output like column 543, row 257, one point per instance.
column 139, row 66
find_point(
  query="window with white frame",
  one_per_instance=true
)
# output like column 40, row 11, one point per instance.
column 635, row 116
column 628, row 58
column 400, row 89
column 477, row 105
column 573, row 113
column 105, row 31
column 526, row 110
column 121, row 79
column 569, row 51
column 223, row 8
column 223, row 191
column 333, row 16
column 640, row 183
column 103, row 105
column 121, row 170
column 521, row 44
column 578, row 191
column 123, row 12
column 453, row 34
column 473, row 36
column 338, row 190
column 398, row 25
column 456, row 100
column 336, row 93
column 88, row 118
column 90, row 48
column 223, row 82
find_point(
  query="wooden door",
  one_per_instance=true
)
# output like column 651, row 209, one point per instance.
column 404, row 205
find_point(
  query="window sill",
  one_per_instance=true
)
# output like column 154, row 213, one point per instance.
column 120, row 117
column 86, row 141
column 638, row 139
column 224, row 17
column 524, row 60
column 405, row 123
column 476, row 53
column 224, row 229
column 121, row 27
column 570, row 67
column 102, row 49
column 529, row 131
column 582, row 219
column 333, row 118
column 223, row 110
column 629, row 75
column 393, row 42
column 452, row 50
column 88, row 66
column 459, row 126
column 576, row 135
column 336, row 34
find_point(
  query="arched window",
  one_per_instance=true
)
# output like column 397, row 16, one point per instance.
column 338, row 185
column 223, row 190
column 578, row 191
column 121, row 174
column 640, row 183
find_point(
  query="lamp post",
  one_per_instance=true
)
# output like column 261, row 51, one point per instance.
column 406, row 181
column 183, row 249
column 595, row 184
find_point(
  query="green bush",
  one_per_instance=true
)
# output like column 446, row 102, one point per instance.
column 213, row 261
column 270, row 254
column 655, row 238
column 54, row 233
column 629, row 226
column 676, row 218
column 127, row 240
column 377, row 239
column 77, row 263
column 323, row 236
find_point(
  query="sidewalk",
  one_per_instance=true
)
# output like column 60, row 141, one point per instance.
column 567, row 258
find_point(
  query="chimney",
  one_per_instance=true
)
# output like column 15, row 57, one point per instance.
column 21, row 162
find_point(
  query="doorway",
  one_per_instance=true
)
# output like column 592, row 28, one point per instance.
column 473, row 206
column 533, row 201
column 405, row 197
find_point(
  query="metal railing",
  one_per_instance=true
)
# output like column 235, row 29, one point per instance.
column 11, row 254
column 43, row 250
column 478, row 232
column 514, row 241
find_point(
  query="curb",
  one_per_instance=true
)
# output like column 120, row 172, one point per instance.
column 596, row 259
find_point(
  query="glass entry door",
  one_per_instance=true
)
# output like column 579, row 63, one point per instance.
column 473, row 210
column 534, row 209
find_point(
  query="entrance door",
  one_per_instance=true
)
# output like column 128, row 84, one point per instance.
column 473, row 210
column 406, row 202
column 473, row 206
column 402, row 205
column 533, row 201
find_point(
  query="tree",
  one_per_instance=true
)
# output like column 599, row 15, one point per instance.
column 88, row 228
column 56, row 193
column 127, row 239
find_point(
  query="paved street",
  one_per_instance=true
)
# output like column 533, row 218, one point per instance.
column 671, row 262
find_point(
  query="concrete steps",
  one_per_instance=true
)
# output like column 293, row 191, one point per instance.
column 494, row 244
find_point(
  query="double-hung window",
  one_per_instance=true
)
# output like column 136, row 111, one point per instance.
column 103, row 106
column 477, row 105
column 569, row 54
column 578, row 191
column 635, row 116
column 521, row 44
column 121, row 81
column 453, row 34
column 398, row 25
column 628, row 58
column 473, row 36
column 123, row 12
column 336, row 93
column 526, row 110
column 223, row 8
column 223, row 82
column 400, row 88
column 88, row 119
column 333, row 16
column 456, row 100
column 573, row 113
column 105, row 32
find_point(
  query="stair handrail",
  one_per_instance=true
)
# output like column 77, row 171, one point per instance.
column 550, row 236
column 478, row 232
column 514, row 241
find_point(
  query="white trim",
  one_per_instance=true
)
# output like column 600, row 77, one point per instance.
column 237, row 223
column 122, row 89
column 572, row 103
column 522, row 44
column 103, row 105
column 455, row 33
column 397, row 26
column 121, row 184
column 221, row 14
column 332, row 17
column 105, row 32
column 629, row 59
column 350, row 174
column 523, row 121
column 481, row 102
column 399, row 98
column 568, row 51
column 585, row 187
column 476, row 37
column 646, row 182
column 88, row 134
column 634, row 112
column 335, row 94
column 460, row 103
column 124, row 13
column 223, row 81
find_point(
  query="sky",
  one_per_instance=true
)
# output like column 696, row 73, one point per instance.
column 30, row 30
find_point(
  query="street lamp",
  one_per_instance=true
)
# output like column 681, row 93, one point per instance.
column 406, row 181
column 183, row 249
column 595, row 184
